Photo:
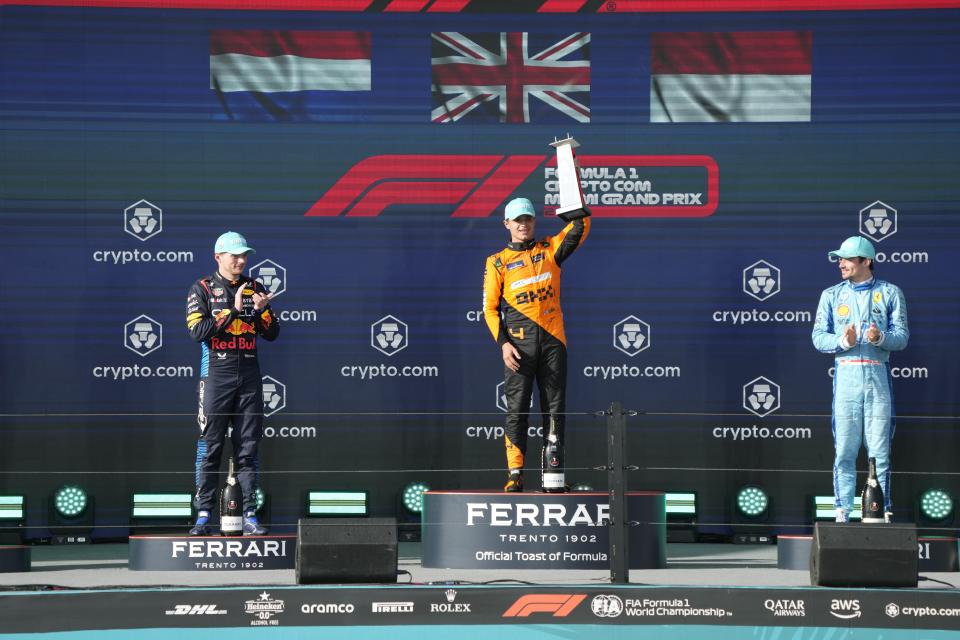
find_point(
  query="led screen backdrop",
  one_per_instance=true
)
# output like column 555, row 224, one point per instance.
column 366, row 154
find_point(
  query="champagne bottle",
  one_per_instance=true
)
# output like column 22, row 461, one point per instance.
column 552, row 461
column 231, row 506
column 872, row 499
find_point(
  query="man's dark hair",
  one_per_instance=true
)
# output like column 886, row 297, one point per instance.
column 860, row 261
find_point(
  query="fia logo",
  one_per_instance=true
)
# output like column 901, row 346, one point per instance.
column 606, row 606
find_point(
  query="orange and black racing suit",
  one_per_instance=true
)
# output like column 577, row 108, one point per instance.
column 521, row 305
column 230, row 388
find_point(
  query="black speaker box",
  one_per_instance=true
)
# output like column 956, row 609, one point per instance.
column 341, row 550
column 864, row 555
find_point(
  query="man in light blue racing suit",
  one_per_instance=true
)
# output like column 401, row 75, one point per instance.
column 861, row 320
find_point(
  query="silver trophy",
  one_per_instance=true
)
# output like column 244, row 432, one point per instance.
column 568, row 175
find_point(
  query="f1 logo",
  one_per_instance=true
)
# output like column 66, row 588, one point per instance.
column 479, row 184
column 558, row 604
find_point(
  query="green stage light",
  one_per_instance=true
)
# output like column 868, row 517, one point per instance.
column 582, row 486
column 337, row 503
column 413, row 496
column 261, row 498
column 936, row 504
column 70, row 501
column 12, row 507
column 752, row 502
column 824, row 509
column 681, row 504
column 162, row 505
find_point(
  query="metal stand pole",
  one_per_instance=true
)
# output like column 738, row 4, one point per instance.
column 616, row 446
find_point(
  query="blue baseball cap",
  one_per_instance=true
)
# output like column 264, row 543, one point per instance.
column 232, row 242
column 855, row 247
column 519, row 207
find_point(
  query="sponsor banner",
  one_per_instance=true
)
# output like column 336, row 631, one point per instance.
column 464, row 530
column 450, row 607
column 156, row 553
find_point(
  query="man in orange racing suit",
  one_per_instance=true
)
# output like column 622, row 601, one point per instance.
column 225, row 313
column 521, row 305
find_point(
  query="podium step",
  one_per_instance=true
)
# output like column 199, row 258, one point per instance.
column 229, row 553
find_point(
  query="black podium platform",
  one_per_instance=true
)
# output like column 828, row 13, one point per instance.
column 228, row 553
column 934, row 553
column 486, row 530
column 14, row 558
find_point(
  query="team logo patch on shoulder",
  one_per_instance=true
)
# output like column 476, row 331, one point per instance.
column 514, row 265
column 498, row 263
column 537, row 258
column 877, row 297
column 843, row 311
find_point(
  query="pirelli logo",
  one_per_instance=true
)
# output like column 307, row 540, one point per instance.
column 558, row 604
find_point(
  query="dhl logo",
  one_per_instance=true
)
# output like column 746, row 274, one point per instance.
column 558, row 604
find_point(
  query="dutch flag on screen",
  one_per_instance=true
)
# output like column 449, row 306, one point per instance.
column 288, row 75
column 759, row 76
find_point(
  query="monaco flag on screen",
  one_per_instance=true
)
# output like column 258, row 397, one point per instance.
column 749, row 76
column 287, row 75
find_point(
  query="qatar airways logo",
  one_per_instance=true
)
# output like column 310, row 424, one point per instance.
column 478, row 185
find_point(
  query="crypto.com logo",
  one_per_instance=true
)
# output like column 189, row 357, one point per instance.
column 143, row 220
column 631, row 335
column 558, row 604
column 878, row 221
column 479, row 184
column 271, row 275
column 143, row 335
column 761, row 396
column 761, row 280
column 274, row 395
column 389, row 335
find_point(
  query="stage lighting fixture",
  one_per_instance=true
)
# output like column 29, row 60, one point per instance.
column 162, row 505
column 13, row 513
column 70, row 501
column 582, row 486
column 337, row 503
column 71, row 515
column 752, row 506
column 12, row 508
column 752, row 502
column 261, row 499
column 413, row 497
column 681, row 511
column 824, row 509
column 155, row 513
column 936, row 506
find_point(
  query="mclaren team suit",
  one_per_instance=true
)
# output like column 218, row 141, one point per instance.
column 521, row 305
column 230, row 389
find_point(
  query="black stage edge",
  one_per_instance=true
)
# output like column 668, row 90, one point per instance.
column 228, row 553
column 415, row 611
column 935, row 554
column 14, row 558
column 483, row 530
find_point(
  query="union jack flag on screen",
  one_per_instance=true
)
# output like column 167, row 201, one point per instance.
column 510, row 77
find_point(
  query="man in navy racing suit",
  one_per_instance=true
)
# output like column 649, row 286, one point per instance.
column 225, row 314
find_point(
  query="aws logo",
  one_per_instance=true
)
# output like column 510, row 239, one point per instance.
column 845, row 609
column 477, row 185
